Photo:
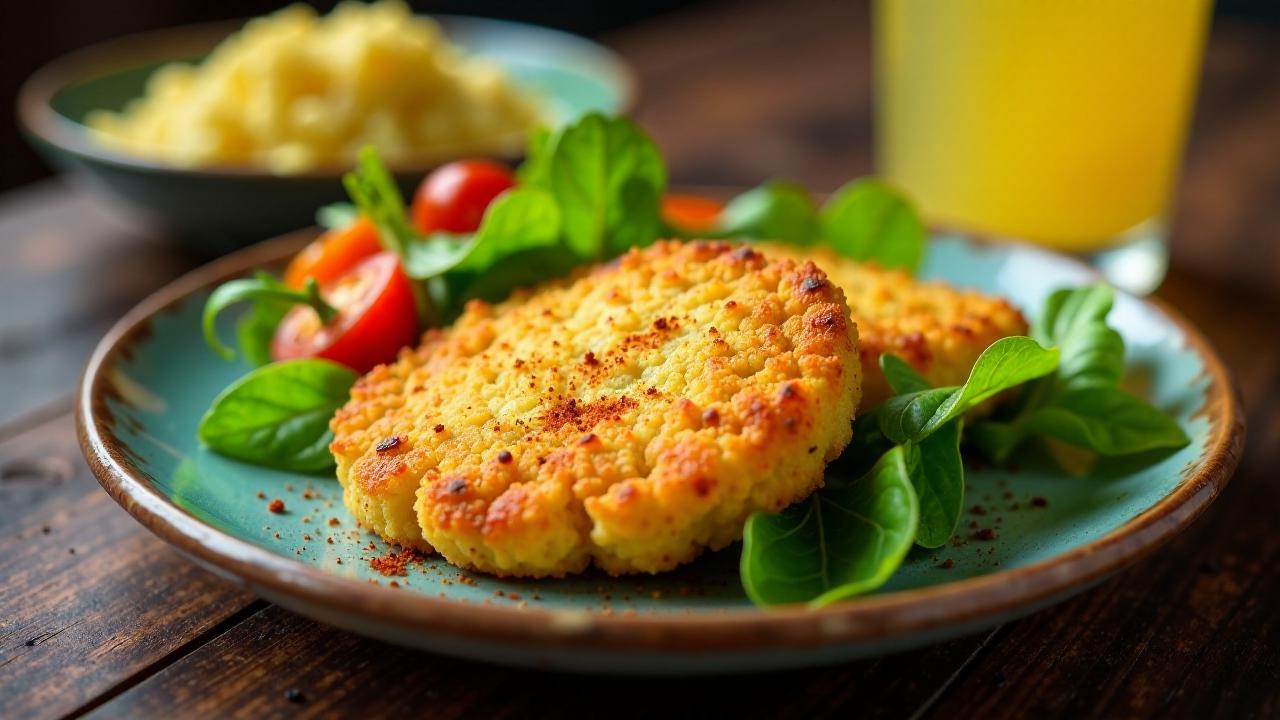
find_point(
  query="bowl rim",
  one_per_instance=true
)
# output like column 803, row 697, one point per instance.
column 41, row 122
column 971, row 601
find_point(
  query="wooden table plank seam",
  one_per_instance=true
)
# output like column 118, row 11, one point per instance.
column 175, row 655
column 932, row 701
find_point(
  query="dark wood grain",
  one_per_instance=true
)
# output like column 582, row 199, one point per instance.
column 89, row 599
column 735, row 93
column 71, row 267
column 251, row 668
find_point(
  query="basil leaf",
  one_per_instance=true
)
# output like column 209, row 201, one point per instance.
column 335, row 216
column 518, row 244
column 608, row 178
column 1006, row 363
column 937, row 474
column 518, row 220
column 843, row 541
column 278, row 416
column 868, row 220
column 262, row 287
column 777, row 210
column 902, row 378
column 1106, row 420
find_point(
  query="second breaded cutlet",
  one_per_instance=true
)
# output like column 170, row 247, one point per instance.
column 628, row 417
column 938, row 329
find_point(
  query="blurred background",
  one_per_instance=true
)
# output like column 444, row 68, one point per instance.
column 51, row 28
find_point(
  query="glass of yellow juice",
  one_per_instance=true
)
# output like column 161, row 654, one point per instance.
column 1059, row 122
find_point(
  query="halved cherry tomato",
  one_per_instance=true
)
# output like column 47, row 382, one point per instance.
column 453, row 197
column 331, row 255
column 692, row 213
column 376, row 317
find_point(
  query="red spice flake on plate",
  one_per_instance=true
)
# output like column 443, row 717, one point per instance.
column 333, row 522
column 1039, row 502
column 394, row 562
column 276, row 506
column 985, row 534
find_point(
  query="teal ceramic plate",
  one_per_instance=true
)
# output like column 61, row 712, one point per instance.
column 573, row 76
column 152, row 377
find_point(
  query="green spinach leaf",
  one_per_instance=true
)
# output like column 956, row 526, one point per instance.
column 937, row 474
column 1107, row 420
column 903, row 379
column 845, row 540
column 278, row 415
column 934, row 463
column 608, row 178
column 868, row 220
column 1007, row 363
column 776, row 210
column 1082, row 403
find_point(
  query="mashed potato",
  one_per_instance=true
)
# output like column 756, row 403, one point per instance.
column 293, row 91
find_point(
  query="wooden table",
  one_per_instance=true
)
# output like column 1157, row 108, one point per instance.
column 98, row 617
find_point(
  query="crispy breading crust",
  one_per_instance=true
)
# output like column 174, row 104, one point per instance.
column 629, row 417
column 936, row 328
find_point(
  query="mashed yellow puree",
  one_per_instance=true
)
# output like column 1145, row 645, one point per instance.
column 294, row 91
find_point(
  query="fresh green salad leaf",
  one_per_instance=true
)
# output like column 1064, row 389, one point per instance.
column 1082, row 403
column 278, row 415
column 518, row 220
column 376, row 196
column 1068, row 309
column 335, row 216
column 257, row 327
column 518, row 244
column 867, row 220
column 777, row 210
column 607, row 177
column 937, row 474
column 845, row 540
column 1076, row 321
column 1107, row 420
column 1007, row 363
column 260, row 288
column 934, row 463
column 903, row 379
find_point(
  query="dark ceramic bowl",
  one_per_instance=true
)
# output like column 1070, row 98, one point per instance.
column 216, row 209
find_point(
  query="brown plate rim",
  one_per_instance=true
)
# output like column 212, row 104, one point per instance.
column 38, row 118
column 967, row 602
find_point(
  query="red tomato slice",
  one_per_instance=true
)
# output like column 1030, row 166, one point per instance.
column 376, row 317
column 331, row 255
column 453, row 197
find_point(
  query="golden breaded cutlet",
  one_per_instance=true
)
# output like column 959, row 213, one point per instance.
column 628, row 417
column 936, row 328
